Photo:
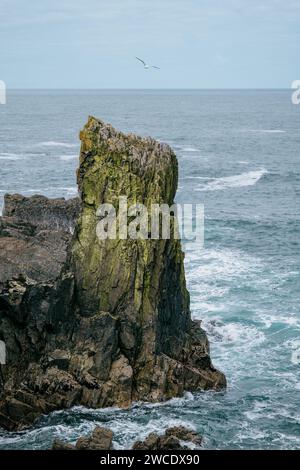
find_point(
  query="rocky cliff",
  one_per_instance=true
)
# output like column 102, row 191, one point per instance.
column 89, row 321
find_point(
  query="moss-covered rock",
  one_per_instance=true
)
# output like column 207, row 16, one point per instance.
column 140, row 282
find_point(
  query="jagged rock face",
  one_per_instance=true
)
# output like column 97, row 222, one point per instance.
column 35, row 300
column 34, row 236
column 48, row 214
column 140, row 282
column 109, row 321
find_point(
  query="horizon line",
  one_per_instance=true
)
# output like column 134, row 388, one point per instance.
column 146, row 89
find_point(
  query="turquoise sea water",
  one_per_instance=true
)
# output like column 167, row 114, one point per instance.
column 239, row 155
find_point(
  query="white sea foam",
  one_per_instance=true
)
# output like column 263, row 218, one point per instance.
column 19, row 156
column 176, row 401
column 197, row 178
column 268, row 131
column 189, row 148
column 218, row 263
column 289, row 321
column 257, row 411
column 127, row 431
column 56, row 144
column 54, row 191
column 9, row 156
column 184, row 148
column 253, row 434
column 68, row 157
column 208, row 274
column 126, row 427
column 70, row 190
column 261, row 409
column 294, row 346
column 236, row 181
column 239, row 334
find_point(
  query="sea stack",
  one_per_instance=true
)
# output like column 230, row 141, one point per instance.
column 111, row 324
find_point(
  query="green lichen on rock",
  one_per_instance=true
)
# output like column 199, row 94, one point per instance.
column 141, row 282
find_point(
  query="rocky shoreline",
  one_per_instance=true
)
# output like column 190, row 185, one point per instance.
column 175, row 438
column 91, row 322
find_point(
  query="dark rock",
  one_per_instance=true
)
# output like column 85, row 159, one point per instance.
column 49, row 214
column 172, row 440
column 184, row 434
column 100, row 439
column 35, row 233
column 90, row 322
column 152, row 442
column 62, row 445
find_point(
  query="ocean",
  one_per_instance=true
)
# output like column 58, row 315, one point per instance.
column 239, row 155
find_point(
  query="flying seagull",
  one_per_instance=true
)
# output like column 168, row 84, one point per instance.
column 146, row 66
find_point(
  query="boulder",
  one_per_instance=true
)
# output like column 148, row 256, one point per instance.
column 173, row 439
column 100, row 439
column 184, row 434
column 62, row 445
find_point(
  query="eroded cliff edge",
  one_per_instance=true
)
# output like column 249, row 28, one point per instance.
column 91, row 322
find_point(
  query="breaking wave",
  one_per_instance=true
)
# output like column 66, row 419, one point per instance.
column 269, row 131
column 237, row 181
column 56, row 144
column 68, row 157
column 9, row 156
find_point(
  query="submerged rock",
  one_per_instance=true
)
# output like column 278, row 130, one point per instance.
column 89, row 321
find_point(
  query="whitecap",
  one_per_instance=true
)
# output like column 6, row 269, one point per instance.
column 126, row 432
column 236, row 181
column 19, row 156
column 253, row 434
column 206, row 178
column 294, row 346
column 185, row 148
column 68, row 157
column 69, row 189
column 269, row 319
column 257, row 411
column 233, row 332
column 9, row 156
column 205, row 307
column 189, row 148
column 174, row 402
column 268, row 131
column 220, row 263
column 53, row 143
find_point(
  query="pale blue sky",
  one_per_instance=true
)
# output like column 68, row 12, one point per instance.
column 197, row 43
